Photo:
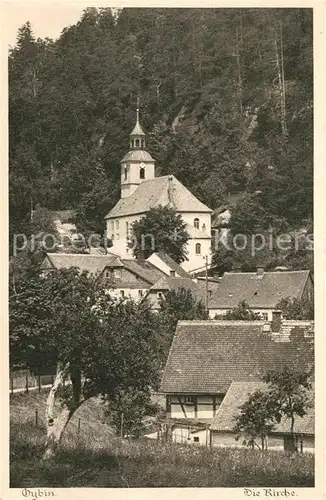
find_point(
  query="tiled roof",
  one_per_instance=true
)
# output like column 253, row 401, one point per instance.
column 206, row 356
column 173, row 265
column 94, row 264
column 137, row 155
column 264, row 292
column 165, row 191
column 143, row 269
column 171, row 283
column 239, row 392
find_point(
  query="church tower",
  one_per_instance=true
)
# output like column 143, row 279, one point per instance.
column 137, row 165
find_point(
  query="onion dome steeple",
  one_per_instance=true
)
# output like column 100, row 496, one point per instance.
column 137, row 136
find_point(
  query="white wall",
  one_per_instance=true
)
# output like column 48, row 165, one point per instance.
column 129, row 185
column 204, row 407
column 184, row 435
column 222, row 312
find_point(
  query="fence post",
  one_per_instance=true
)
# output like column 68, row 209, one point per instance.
column 36, row 416
column 301, row 445
column 26, row 389
column 39, row 383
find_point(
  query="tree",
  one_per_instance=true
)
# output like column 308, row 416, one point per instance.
column 104, row 347
column 255, row 418
column 161, row 229
column 300, row 309
column 177, row 305
column 242, row 312
column 288, row 392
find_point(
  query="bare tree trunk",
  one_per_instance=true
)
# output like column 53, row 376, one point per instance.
column 58, row 416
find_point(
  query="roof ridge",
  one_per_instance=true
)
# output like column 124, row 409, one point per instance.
column 220, row 322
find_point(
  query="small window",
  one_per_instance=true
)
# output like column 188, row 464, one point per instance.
column 112, row 237
column 264, row 316
column 126, row 173
column 117, row 273
column 137, row 143
column 198, row 248
column 159, row 295
column 203, row 228
column 107, row 273
column 112, row 226
column 140, row 293
column 122, row 293
column 196, row 439
column 142, row 143
column 189, row 400
column 117, row 224
column 142, row 173
column 117, row 236
column 172, row 273
column 196, row 223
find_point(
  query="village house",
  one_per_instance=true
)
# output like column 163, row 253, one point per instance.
column 141, row 191
column 126, row 278
column 206, row 357
column 221, row 429
column 158, row 291
column 262, row 291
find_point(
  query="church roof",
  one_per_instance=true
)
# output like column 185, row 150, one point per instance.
column 137, row 130
column 165, row 191
column 137, row 155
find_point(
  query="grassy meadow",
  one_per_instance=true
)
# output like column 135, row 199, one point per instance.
column 91, row 456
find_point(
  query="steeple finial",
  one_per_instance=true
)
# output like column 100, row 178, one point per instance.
column 137, row 109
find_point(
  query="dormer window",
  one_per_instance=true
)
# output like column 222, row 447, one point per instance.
column 196, row 223
column 172, row 273
column 142, row 173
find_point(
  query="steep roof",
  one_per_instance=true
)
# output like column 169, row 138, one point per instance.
column 173, row 265
column 206, row 356
column 165, row 191
column 239, row 392
column 264, row 292
column 94, row 264
column 171, row 283
column 143, row 269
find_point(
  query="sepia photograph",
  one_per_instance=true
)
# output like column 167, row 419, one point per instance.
column 161, row 248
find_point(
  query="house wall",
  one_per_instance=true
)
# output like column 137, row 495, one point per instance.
column 185, row 435
column 129, row 283
column 203, row 407
column 117, row 231
column 274, row 441
column 268, row 313
column 156, row 261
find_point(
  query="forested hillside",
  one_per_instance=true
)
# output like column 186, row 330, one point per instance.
column 226, row 99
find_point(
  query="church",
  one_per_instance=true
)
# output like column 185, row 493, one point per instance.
column 142, row 191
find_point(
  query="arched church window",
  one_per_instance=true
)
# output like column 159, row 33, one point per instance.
column 142, row 173
column 196, row 223
column 198, row 248
column 137, row 143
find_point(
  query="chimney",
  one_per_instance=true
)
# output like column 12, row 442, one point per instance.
column 276, row 321
column 260, row 272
